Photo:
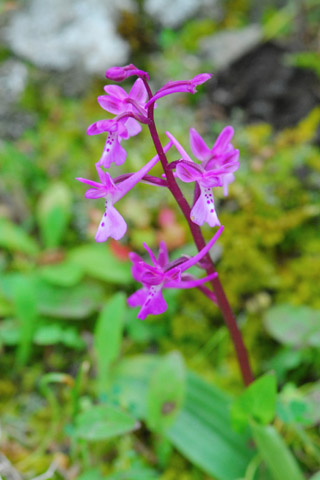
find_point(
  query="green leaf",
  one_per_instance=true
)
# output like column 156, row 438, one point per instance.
column 275, row 453
column 165, row 397
column 26, row 312
column 296, row 326
column 99, row 262
column 108, row 336
column 52, row 334
column 204, row 435
column 202, row 431
column 101, row 422
column 53, row 213
column 75, row 302
column 14, row 239
column 64, row 274
column 257, row 402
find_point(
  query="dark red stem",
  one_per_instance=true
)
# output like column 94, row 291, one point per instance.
column 223, row 303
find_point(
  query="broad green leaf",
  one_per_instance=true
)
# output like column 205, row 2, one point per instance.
column 204, row 435
column 166, row 392
column 101, row 422
column 52, row 334
column 202, row 431
column 75, row 302
column 98, row 261
column 14, row 239
column 64, row 274
column 275, row 453
column 26, row 312
column 53, row 213
column 108, row 336
column 296, row 326
column 257, row 402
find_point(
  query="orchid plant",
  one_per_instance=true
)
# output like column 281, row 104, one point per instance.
column 213, row 168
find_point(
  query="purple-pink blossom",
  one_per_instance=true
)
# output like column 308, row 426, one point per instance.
column 112, row 223
column 164, row 274
column 215, row 170
column 129, row 110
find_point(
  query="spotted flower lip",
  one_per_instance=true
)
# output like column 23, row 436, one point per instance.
column 112, row 223
column 215, row 170
column 129, row 109
column 161, row 274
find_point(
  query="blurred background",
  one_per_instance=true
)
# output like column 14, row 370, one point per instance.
column 84, row 391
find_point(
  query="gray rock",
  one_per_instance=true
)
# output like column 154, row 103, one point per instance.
column 225, row 47
column 61, row 35
column 13, row 80
column 172, row 13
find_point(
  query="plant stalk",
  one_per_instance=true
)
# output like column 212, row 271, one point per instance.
column 222, row 300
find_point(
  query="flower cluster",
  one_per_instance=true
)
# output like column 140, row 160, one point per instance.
column 215, row 167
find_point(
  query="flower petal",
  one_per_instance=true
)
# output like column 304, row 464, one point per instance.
column 227, row 179
column 111, row 104
column 95, row 193
column 112, row 225
column 102, row 126
column 138, row 91
column 188, row 172
column 163, row 256
column 89, row 182
column 133, row 127
column 116, row 91
column 154, row 303
column 112, row 152
column 198, row 146
column 223, row 139
column 138, row 298
column 203, row 210
column 179, row 147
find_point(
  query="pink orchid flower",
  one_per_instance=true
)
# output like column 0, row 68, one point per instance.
column 112, row 223
column 130, row 110
column 216, row 170
column 164, row 274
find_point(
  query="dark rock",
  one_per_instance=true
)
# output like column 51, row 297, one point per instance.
column 266, row 89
